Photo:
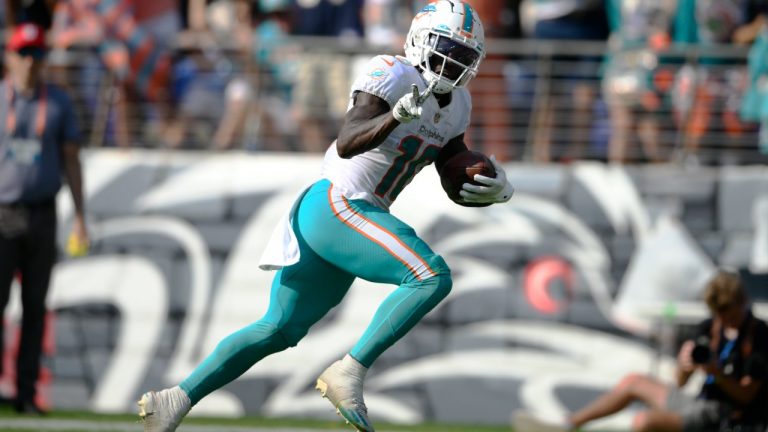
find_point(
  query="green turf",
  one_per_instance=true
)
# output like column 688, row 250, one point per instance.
column 6, row 413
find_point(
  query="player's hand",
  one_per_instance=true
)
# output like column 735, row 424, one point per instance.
column 409, row 106
column 490, row 189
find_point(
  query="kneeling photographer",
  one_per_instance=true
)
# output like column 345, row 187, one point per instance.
column 731, row 348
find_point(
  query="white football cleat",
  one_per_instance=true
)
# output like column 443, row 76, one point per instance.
column 345, row 392
column 163, row 410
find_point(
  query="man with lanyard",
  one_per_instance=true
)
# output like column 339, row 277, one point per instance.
column 731, row 348
column 38, row 144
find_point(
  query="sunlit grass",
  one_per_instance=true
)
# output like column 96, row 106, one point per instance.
column 255, row 422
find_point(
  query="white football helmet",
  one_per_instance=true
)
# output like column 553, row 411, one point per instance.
column 447, row 41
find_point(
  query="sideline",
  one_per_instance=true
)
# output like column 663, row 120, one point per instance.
column 45, row 425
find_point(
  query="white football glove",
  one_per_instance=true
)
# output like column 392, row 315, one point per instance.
column 409, row 106
column 491, row 190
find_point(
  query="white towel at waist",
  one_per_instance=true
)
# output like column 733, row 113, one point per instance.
column 283, row 247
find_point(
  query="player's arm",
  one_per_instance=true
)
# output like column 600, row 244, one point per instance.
column 366, row 125
column 450, row 149
column 370, row 120
column 489, row 190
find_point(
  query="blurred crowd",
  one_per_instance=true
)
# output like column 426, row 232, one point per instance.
column 274, row 74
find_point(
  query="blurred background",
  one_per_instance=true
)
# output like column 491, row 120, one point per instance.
column 632, row 131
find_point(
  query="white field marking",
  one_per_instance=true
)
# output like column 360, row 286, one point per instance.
column 45, row 425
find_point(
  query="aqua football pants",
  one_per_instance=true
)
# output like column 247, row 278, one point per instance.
column 340, row 240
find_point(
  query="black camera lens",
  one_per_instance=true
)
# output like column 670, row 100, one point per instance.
column 701, row 353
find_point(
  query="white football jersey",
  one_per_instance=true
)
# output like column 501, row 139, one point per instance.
column 380, row 174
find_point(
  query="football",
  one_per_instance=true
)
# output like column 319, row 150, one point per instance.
column 460, row 169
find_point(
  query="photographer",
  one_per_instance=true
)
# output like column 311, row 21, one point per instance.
column 731, row 348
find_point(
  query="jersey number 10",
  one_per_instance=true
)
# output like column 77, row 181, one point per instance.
column 405, row 166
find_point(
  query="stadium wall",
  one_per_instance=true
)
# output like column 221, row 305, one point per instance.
column 578, row 280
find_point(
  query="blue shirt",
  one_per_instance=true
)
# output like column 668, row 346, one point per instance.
column 30, row 163
column 344, row 18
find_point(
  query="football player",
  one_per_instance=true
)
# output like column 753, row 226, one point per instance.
column 405, row 113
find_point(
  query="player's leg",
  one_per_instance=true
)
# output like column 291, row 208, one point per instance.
column 371, row 243
column 301, row 295
column 375, row 245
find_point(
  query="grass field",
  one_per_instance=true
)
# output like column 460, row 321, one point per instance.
column 70, row 421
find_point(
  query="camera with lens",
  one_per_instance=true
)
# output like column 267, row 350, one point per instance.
column 702, row 352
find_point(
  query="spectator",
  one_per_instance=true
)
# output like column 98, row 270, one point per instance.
column 230, row 19
column 583, row 20
column 490, row 112
column 640, row 31
column 386, row 22
column 320, row 95
column 160, row 19
column 731, row 348
column 40, row 144
column 238, row 99
column 641, row 80
column 200, row 79
column 140, row 66
column 704, row 24
column 503, row 17
column 276, row 61
column 754, row 106
column 29, row 11
column 250, row 84
column 755, row 21
column 217, row 37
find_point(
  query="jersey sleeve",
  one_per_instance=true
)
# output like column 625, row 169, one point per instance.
column 381, row 77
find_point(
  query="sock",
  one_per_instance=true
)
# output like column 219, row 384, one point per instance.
column 353, row 367
column 180, row 399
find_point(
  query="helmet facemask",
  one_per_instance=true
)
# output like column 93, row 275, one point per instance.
column 451, row 62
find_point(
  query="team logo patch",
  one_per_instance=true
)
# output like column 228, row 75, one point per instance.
column 426, row 10
column 378, row 74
